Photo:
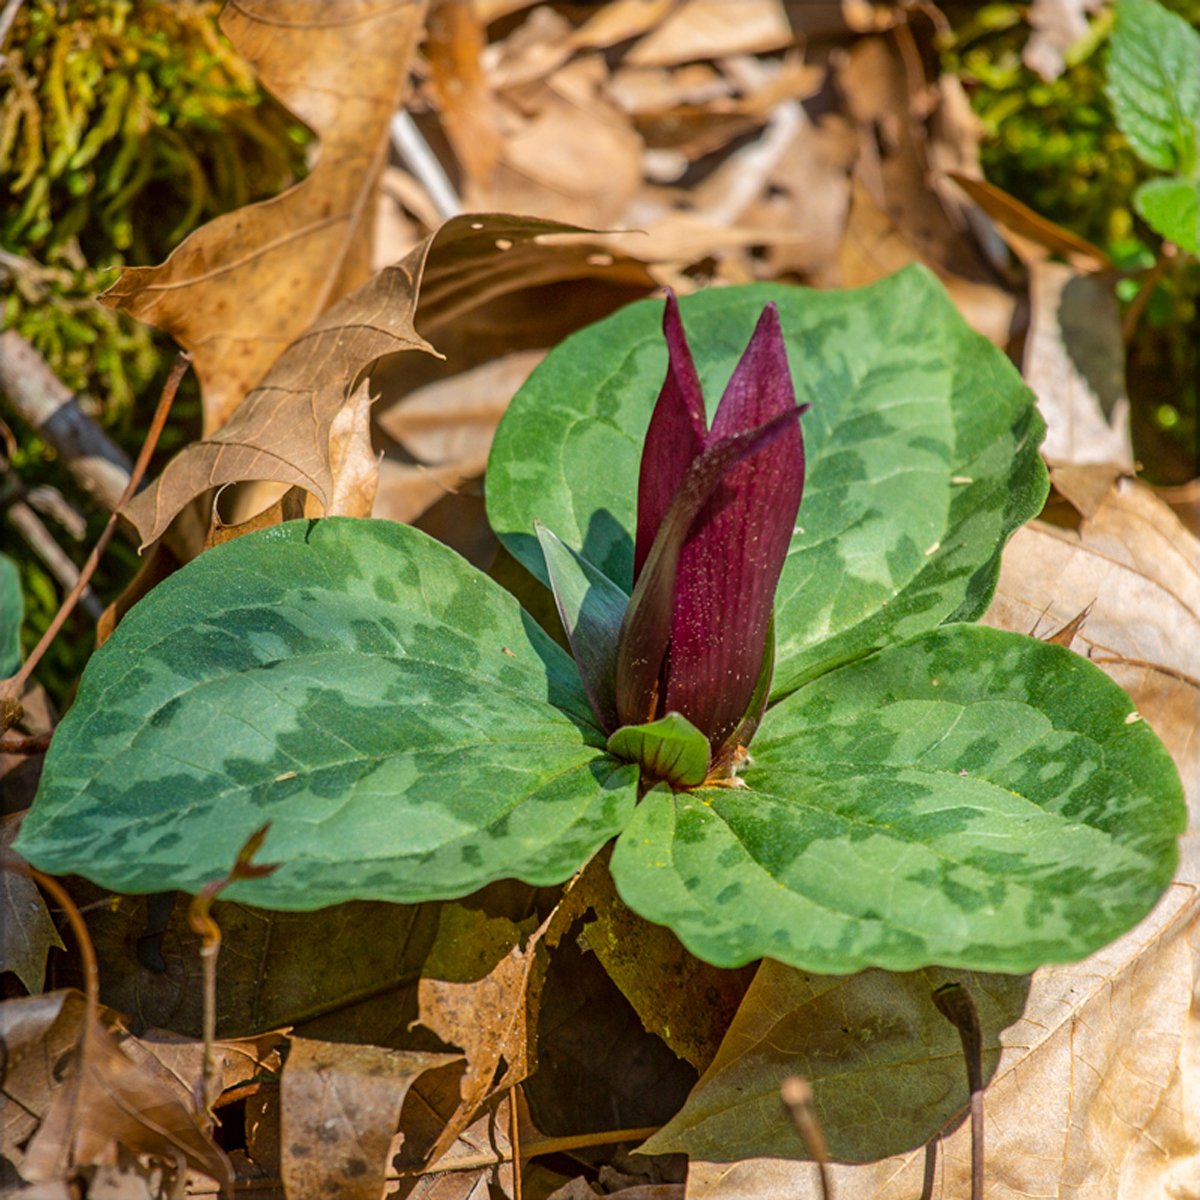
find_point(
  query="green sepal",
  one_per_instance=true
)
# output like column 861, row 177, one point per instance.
column 670, row 749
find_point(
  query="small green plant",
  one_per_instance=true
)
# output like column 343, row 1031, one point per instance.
column 1154, row 87
column 918, row 790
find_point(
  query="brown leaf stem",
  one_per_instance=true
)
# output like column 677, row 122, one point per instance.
column 1137, row 306
column 796, row 1093
column 201, row 921
column 956, row 1004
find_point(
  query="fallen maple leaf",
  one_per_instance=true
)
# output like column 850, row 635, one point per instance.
column 242, row 287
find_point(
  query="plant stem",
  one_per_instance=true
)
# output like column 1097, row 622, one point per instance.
column 956, row 1004
column 796, row 1093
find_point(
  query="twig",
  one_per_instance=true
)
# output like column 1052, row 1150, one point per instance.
column 202, row 923
column 514, row 1136
column 1137, row 306
column 41, row 541
column 415, row 151
column 7, row 17
column 12, row 689
column 796, row 1093
column 955, row 1003
column 45, row 403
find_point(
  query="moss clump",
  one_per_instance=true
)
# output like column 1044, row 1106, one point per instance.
column 124, row 125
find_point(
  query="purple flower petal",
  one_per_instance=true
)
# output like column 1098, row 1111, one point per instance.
column 675, row 437
column 647, row 628
column 729, row 567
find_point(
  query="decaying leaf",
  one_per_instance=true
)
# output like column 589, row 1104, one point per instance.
column 27, row 934
column 244, row 286
column 340, row 1105
column 108, row 1102
column 454, row 46
column 477, row 989
column 281, row 431
column 896, row 217
column 1139, row 570
column 446, row 427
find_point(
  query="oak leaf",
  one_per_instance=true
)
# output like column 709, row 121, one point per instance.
column 242, row 287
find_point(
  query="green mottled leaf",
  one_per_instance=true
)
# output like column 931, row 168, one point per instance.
column 591, row 608
column 12, row 610
column 921, row 446
column 885, row 1066
column 671, row 748
column 1171, row 208
column 1154, row 83
column 971, row 798
column 406, row 730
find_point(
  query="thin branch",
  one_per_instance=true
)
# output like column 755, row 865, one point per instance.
column 41, row 541
column 12, row 689
column 956, row 1004
column 424, row 164
column 796, row 1093
column 47, row 405
column 1137, row 306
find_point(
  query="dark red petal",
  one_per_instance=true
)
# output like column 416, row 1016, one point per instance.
column 675, row 437
column 646, row 629
column 730, row 564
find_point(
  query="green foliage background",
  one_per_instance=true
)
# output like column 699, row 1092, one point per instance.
column 1056, row 146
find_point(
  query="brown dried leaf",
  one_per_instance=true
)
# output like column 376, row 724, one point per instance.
column 107, row 1102
column 353, row 463
column 1095, row 1088
column 1139, row 569
column 713, row 29
column 27, row 934
column 896, row 215
column 454, row 46
column 281, row 431
column 618, row 21
column 340, row 1105
column 476, row 1166
column 569, row 154
column 1028, row 232
column 39, row 1034
column 477, row 990
column 1075, row 362
column 244, row 286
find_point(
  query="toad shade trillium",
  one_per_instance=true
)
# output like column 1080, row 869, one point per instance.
column 679, row 674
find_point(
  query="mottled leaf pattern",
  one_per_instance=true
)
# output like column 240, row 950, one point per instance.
column 921, row 449
column 971, row 798
column 407, row 731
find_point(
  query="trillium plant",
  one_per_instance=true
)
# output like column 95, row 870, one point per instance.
column 775, row 705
